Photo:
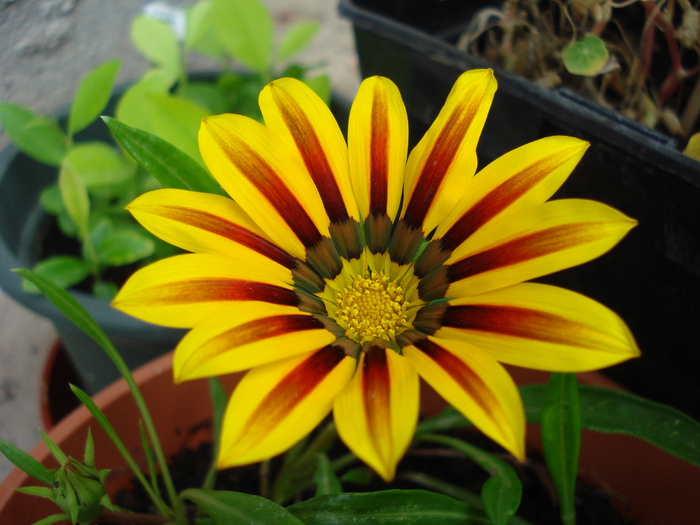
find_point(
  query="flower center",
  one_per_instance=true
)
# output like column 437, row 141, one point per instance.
column 371, row 308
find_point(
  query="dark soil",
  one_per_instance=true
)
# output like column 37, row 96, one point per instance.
column 593, row 505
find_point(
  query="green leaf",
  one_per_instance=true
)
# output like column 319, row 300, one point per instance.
column 407, row 507
column 236, row 508
column 26, row 463
column 55, row 449
column 585, row 57
column 502, row 492
column 105, row 290
column 54, row 518
column 156, row 41
column 70, row 307
column 561, row 439
column 617, row 412
column 122, row 247
column 245, row 29
column 64, row 270
column 92, row 96
column 50, row 199
column 172, row 167
column 358, row 476
column 321, row 86
column 324, row 477
column 41, row 492
column 99, row 164
column 36, row 135
column 201, row 35
column 206, row 95
column 297, row 37
column 176, row 120
column 75, row 197
column 132, row 104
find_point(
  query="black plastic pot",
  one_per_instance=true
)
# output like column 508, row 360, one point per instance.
column 22, row 222
column 652, row 279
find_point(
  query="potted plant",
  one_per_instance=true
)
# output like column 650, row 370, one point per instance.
column 350, row 275
column 70, row 223
column 629, row 165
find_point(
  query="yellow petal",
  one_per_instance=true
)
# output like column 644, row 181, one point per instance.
column 300, row 118
column 184, row 290
column 276, row 405
column 476, row 385
column 376, row 414
column 244, row 335
column 377, row 143
column 441, row 166
column 541, row 327
column 537, row 241
column 521, row 178
column 203, row 223
column 266, row 178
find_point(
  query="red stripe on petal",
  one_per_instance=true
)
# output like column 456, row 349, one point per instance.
column 379, row 163
column 537, row 244
column 294, row 388
column 520, row 322
column 312, row 153
column 258, row 330
column 465, row 377
column 209, row 290
column 438, row 162
column 263, row 177
column 377, row 394
column 220, row 226
column 496, row 201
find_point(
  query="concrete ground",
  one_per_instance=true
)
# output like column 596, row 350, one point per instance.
column 45, row 45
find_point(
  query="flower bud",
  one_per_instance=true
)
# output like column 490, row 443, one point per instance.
column 80, row 491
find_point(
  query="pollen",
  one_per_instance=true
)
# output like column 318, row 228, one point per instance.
column 372, row 308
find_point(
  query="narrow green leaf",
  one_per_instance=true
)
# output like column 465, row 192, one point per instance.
column 54, row 518
column 41, row 492
column 407, row 507
column 219, row 399
column 157, row 42
column 246, row 30
column 236, row 508
column 122, row 247
column 617, row 412
column 36, row 135
column 150, row 460
column 92, row 96
column 70, row 307
column 26, row 463
column 172, row 167
column 64, row 270
column 75, row 197
column 99, row 164
column 561, row 439
column 585, row 57
column 89, row 455
column 324, row 477
column 297, row 37
column 55, row 449
column 502, row 492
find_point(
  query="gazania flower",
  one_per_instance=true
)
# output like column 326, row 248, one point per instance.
column 339, row 274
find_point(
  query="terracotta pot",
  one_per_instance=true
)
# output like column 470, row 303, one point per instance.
column 176, row 409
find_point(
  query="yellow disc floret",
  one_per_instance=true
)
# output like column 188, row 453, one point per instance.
column 372, row 298
column 371, row 308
